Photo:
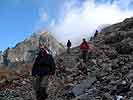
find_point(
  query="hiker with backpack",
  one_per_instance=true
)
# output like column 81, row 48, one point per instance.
column 95, row 34
column 43, row 69
column 68, row 46
column 84, row 47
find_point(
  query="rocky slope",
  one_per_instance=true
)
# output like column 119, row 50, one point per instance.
column 107, row 74
column 109, row 67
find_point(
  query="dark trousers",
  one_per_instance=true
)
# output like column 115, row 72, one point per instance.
column 68, row 50
column 40, row 85
column 84, row 55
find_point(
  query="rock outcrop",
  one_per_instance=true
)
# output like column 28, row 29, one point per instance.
column 26, row 50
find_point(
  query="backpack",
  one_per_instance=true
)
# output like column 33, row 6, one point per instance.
column 84, row 46
column 68, row 44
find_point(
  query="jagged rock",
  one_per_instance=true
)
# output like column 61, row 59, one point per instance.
column 107, row 96
column 131, row 98
column 26, row 50
column 82, row 97
column 119, row 97
column 130, row 74
column 79, row 89
column 131, row 87
column 113, row 37
column 112, row 54
column 123, row 47
column 127, row 24
column 2, row 81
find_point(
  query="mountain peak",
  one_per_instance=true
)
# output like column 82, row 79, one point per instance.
column 26, row 50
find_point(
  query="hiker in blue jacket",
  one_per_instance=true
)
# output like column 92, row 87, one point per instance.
column 43, row 68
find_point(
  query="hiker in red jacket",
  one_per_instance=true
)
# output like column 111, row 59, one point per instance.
column 84, row 46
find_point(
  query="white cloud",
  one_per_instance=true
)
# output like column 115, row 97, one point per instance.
column 42, row 20
column 43, row 15
column 77, row 22
column 123, row 3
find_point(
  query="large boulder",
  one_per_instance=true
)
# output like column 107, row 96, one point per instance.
column 79, row 89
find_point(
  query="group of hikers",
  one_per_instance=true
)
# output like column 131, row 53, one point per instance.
column 44, row 68
column 84, row 47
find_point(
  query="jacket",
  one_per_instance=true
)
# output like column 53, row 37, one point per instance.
column 68, row 44
column 84, row 46
column 43, row 65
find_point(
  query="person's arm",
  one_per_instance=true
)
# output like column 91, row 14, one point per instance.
column 87, row 45
column 34, row 67
column 80, row 46
column 70, row 44
column 53, row 67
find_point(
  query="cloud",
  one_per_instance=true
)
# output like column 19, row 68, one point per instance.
column 76, row 22
column 43, row 15
column 42, row 20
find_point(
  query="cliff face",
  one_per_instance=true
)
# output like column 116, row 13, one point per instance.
column 26, row 50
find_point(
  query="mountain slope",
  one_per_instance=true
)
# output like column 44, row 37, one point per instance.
column 109, row 66
column 109, row 70
column 26, row 50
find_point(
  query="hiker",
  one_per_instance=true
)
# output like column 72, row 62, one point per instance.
column 68, row 46
column 96, row 33
column 43, row 69
column 84, row 47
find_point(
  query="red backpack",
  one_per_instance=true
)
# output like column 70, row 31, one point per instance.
column 84, row 46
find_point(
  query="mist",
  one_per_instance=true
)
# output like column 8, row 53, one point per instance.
column 80, row 18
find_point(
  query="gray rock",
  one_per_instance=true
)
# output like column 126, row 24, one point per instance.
column 131, row 98
column 131, row 87
column 130, row 74
column 107, row 96
column 82, row 97
column 79, row 89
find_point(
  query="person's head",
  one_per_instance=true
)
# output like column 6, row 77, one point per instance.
column 60, row 60
column 42, row 52
column 84, row 40
column 77, row 60
column 68, row 40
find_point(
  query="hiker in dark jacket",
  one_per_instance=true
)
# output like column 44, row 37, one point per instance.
column 68, row 46
column 84, row 46
column 96, row 33
column 43, row 68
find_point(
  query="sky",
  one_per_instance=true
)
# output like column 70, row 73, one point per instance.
column 66, row 19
